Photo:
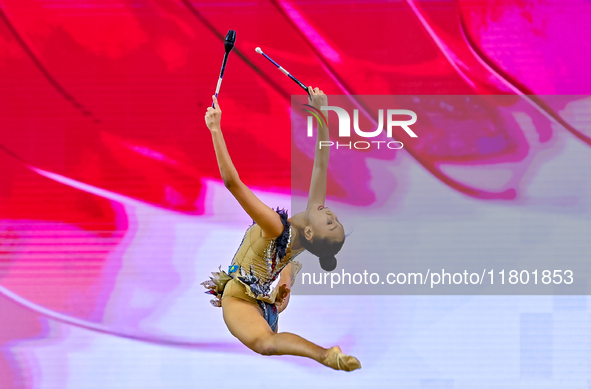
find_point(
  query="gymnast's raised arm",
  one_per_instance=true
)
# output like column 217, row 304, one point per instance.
column 264, row 216
column 317, row 194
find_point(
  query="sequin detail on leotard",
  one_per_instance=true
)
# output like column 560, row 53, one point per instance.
column 255, row 270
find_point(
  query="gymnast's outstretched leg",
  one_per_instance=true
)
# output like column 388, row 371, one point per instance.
column 245, row 321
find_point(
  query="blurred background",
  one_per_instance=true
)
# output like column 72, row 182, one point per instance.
column 112, row 210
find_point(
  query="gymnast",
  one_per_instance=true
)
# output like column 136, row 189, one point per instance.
column 250, row 307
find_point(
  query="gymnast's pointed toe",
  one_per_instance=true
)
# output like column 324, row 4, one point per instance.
column 335, row 359
column 349, row 363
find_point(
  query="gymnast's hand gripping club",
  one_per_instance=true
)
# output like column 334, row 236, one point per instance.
column 228, row 46
column 288, row 74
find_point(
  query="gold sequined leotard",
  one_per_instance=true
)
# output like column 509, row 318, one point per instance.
column 255, row 266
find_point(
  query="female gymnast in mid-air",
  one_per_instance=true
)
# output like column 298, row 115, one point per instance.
column 250, row 307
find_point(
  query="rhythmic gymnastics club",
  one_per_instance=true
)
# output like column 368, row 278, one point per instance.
column 228, row 46
column 288, row 74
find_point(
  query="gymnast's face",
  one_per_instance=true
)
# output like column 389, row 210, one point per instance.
column 325, row 224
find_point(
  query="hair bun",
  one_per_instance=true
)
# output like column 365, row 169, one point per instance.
column 328, row 263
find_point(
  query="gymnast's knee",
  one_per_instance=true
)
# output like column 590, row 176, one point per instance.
column 265, row 345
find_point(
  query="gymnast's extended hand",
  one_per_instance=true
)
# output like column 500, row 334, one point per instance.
column 317, row 98
column 213, row 116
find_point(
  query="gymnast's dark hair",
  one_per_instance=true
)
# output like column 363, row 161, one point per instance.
column 325, row 249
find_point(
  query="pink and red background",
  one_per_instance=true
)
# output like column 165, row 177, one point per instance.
column 112, row 210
